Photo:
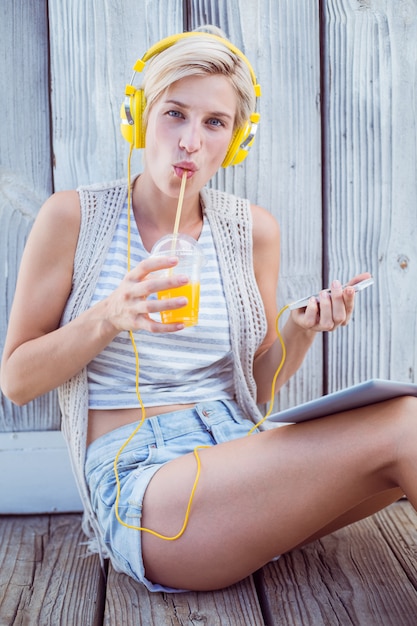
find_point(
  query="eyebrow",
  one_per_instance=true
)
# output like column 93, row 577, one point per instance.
column 187, row 106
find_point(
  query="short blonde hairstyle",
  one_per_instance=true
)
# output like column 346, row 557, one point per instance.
column 200, row 56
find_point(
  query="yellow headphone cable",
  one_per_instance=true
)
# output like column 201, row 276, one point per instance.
column 143, row 412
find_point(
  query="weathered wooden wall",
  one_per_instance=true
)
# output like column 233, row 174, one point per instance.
column 370, row 190
column 335, row 158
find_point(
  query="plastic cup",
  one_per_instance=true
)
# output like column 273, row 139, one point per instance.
column 190, row 261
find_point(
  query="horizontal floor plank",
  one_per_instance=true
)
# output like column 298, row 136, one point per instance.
column 364, row 574
column 130, row 603
column 350, row 577
column 398, row 524
column 44, row 575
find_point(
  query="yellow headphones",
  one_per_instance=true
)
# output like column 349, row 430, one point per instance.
column 132, row 108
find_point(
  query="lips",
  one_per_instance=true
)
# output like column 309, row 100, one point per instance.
column 185, row 166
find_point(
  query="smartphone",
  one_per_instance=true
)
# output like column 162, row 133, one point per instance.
column 363, row 284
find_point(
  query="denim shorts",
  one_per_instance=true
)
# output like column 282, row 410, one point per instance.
column 160, row 439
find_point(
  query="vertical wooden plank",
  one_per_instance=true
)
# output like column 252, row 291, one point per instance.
column 93, row 49
column 283, row 171
column 18, row 206
column 24, row 97
column 371, row 190
column 25, row 174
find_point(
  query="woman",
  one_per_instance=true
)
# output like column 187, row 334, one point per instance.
column 257, row 496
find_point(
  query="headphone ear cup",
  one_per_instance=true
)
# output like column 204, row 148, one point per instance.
column 133, row 107
column 241, row 142
column 234, row 150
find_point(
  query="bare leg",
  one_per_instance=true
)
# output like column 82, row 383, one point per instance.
column 263, row 495
column 367, row 508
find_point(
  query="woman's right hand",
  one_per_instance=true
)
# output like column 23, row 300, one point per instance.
column 129, row 306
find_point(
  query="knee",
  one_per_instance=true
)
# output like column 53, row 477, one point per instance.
column 404, row 422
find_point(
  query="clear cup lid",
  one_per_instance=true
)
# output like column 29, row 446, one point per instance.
column 174, row 244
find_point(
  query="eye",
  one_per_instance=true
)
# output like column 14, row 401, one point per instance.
column 174, row 113
column 214, row 121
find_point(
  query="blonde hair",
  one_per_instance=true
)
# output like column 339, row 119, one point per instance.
column 203, row 55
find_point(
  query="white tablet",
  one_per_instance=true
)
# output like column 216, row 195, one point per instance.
column 363, row 394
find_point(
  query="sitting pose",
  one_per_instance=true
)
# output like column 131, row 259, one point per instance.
column 179, row 489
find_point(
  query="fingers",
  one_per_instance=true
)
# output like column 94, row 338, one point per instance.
column 337, row 310
column 149, row 303
column 152, row 264
column 332, row 308
column 359, row 278
column 132, row 304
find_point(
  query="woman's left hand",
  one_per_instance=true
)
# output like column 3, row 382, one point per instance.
column 331, row 309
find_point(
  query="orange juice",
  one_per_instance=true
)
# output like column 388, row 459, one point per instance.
column 188, row 314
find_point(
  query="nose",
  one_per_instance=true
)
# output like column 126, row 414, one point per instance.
column 191, row 138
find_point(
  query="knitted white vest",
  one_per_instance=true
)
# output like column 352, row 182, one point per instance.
column 231, row 225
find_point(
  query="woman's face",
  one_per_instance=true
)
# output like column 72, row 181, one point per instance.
column 189, row 129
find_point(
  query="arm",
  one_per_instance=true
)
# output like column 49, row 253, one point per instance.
column 39, row 355
column 266, row 253
column 302, row 325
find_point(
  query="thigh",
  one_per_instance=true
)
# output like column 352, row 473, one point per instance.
column 139, row 453
column 261, row 495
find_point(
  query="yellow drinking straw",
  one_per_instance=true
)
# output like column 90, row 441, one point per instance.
column 179, row 209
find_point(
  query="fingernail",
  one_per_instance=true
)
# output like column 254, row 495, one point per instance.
column 336, row 284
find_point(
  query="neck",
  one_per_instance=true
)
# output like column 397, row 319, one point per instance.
column 155, row 212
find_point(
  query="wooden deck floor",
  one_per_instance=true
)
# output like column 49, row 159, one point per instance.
column 363, row 575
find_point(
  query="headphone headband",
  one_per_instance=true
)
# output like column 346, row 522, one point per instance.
column 134, row 104
column 167, row 42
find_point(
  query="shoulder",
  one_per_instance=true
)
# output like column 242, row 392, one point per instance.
column 62, row 209
column 55, row 231
column 102, row 200
column 65, row 207
column 265, row 227
column 224, row 203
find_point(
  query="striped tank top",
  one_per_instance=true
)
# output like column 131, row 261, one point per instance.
column 191, row 365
